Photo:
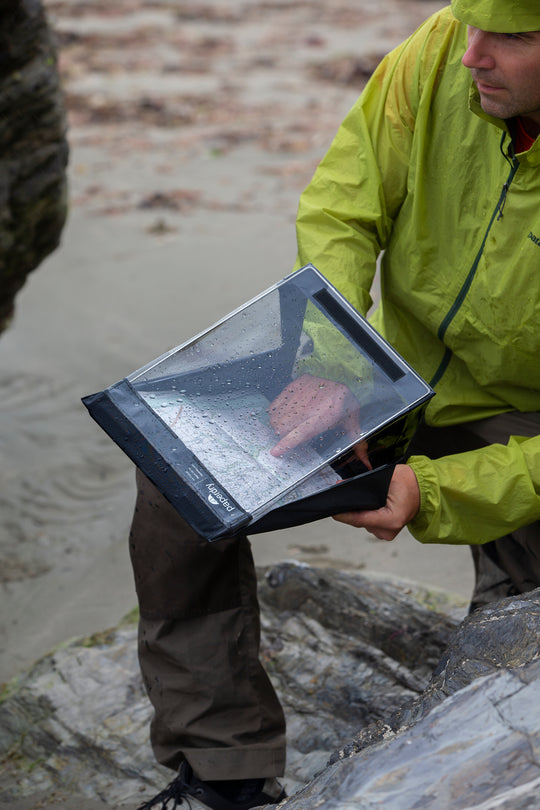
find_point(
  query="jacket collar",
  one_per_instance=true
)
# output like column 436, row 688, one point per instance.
column 532, row 157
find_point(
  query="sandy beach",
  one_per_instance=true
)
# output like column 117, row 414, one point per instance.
column 193, row 129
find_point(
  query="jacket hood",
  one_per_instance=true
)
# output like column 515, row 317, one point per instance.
column 500, row 16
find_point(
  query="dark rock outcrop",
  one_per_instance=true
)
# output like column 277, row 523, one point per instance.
column 469, row 742
column 343, row 650
column 503, row 635
column 351, row 657
column 477, row 750
column 33, row 147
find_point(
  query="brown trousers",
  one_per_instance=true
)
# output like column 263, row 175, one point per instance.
column 199, row 628
column 199, row 633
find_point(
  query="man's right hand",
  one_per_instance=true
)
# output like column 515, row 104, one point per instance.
column 307, row 407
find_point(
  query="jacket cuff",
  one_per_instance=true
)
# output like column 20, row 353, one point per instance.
column 424, row 527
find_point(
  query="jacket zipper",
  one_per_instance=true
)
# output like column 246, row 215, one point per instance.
column 454, row 309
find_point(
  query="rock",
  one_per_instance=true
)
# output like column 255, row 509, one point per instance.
column 475, row 751
column 351, row 657
column 468, row 742
column 33, row 147
column 342, row 650
column 503, row 635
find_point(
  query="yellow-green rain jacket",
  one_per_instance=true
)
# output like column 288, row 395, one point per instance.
column 419, row 171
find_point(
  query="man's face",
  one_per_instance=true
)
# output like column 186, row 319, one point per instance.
column 506, row 71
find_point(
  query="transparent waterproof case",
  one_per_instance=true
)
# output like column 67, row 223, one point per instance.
column 289, row 409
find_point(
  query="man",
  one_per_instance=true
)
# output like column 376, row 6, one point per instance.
column 437, row 165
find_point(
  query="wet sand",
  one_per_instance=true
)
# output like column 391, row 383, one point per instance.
column 192, row 135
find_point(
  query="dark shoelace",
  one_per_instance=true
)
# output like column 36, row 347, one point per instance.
column 175, row 792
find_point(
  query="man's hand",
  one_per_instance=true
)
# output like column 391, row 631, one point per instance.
column 310, row 405
column 402, row 505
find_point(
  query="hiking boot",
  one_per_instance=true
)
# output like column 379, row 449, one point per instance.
column 223, row 795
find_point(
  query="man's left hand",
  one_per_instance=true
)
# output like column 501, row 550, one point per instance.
column 402, row 505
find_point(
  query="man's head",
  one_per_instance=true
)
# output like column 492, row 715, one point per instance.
column 503, row 55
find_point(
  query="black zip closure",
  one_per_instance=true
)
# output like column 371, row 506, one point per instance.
column 454, row 309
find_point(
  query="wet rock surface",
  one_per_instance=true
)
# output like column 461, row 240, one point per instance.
column 504, row 635
column 33, row 147
column 471, row 739
column 343, row 650
column 351, row 658
column 478, row 749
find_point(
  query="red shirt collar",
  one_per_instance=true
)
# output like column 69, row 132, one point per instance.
column 523, row 140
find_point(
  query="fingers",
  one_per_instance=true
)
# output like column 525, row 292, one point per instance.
column 402, row 505
column 302, row 433
column 360, row 450
column 376, row 522
column 308, row 407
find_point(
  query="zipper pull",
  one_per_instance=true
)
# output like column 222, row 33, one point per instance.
column 506, row 186
column 502, row 200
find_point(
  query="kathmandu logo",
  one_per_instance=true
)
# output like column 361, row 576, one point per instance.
column 215, row 497
column 534, row 238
